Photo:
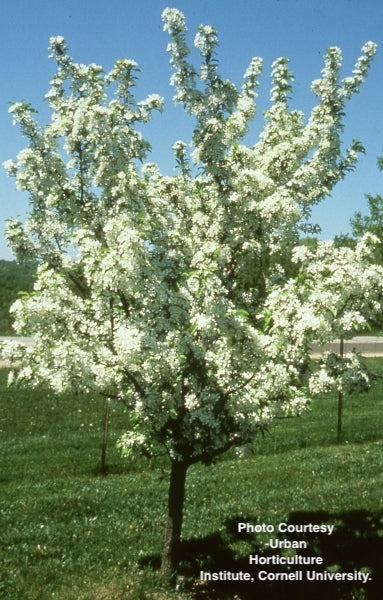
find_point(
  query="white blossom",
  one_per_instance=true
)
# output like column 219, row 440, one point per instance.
column 187, row 296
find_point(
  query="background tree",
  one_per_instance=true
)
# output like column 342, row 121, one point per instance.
column 366, row 223
column 371, row 223
column 14, row 278
column 172, row 293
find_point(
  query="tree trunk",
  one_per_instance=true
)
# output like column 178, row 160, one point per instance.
column 170, row 552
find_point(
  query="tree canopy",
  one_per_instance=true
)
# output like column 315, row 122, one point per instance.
column 187, row 297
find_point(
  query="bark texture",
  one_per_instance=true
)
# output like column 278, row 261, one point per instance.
column 170, row 553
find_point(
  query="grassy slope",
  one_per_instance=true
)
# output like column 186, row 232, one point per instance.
column 70, row 533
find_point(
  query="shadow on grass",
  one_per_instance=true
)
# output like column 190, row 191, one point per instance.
column 356, row 545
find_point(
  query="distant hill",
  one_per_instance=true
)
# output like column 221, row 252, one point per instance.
column 14, row 278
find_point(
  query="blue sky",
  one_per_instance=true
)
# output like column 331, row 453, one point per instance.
column 103, row 31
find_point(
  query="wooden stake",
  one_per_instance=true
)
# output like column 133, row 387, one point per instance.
column 105, row 436
column 340, row 398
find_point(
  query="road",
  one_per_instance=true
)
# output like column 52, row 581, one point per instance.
column 367, row 345
column 28, row 341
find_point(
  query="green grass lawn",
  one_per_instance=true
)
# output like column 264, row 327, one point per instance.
column 71, row 533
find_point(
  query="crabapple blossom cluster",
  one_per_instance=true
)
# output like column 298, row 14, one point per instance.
column 187, row 297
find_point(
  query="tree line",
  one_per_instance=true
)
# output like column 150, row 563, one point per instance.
column 15, row 278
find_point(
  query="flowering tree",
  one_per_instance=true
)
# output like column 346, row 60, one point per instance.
column 170, row 293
